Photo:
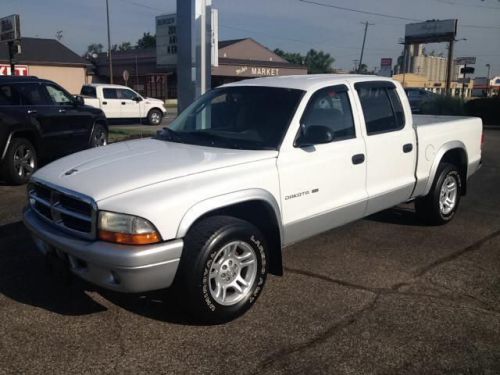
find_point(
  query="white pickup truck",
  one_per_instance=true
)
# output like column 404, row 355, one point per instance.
column 120, row 103
column 208, row 204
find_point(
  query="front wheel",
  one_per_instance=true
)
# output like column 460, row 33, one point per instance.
column 154, row 117
column 440, row 205
column 20, row 161
column 99, row 136
column 223, row 268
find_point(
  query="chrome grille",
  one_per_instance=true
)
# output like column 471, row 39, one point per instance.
column 65, row 209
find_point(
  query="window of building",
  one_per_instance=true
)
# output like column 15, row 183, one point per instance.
column 110, row 93
column 330, row 107
column 381, row 106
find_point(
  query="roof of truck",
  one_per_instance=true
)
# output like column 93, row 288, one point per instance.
column 307, row 82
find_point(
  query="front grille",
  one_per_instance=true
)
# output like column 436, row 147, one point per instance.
column 67, row 210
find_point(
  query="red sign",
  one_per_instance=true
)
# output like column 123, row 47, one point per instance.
column 20, row 70
column 386, row 61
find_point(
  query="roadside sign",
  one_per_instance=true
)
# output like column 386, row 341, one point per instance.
column 10, row 29
column 19, row 70
column 126, row 76
column 465, row 60
column 467, row 70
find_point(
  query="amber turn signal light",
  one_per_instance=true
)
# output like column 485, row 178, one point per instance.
column 130, row 239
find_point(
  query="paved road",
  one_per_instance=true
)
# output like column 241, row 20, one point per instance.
column 382, row 295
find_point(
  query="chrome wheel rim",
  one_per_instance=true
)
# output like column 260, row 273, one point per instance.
column 24, row 161
column 100, row 138
column 448, row 195
column 155, row 118
column 232, row 273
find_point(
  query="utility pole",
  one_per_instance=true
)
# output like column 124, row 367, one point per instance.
column 449, row 67
column 109, row 45
column 488, row 80
column 363, row 46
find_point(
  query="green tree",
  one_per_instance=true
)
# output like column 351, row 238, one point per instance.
column 94, row 48
column 316, row 61
column 147, row 41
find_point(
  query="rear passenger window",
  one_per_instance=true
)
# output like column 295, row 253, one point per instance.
column 32, row 94
column 110, row 93
column 330, row 107
column 9, row 96
column 382, row 108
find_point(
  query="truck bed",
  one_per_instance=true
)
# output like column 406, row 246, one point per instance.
column 423, row 120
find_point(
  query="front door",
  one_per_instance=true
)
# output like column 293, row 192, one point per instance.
column 390, row 145
column 323, row 185
column 130, row 107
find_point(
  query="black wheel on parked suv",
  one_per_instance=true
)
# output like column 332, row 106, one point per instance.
column 440, row 205
column 223, row 268
column 154, row 117
column 99, row 136
column 20, row 161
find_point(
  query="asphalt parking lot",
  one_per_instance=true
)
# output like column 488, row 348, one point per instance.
column 382, row 295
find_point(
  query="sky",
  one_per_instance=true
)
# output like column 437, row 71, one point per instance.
column 291, row 25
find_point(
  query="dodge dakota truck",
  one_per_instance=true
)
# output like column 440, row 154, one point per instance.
column 207, row 205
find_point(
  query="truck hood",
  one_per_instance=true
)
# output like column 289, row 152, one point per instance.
column 106, row 171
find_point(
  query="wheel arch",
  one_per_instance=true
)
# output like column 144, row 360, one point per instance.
column 455, row 153
column 256, row 206
column 30, row 135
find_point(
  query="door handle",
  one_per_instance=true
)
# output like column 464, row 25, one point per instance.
column 123, row 103
column 358, row 158
column 62, row 110
column 104, row 103
column 407, row 148
column 31, row 111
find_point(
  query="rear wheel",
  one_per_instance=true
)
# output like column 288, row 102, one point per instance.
column 20, row 161
column 154, row 117
column 223, row 268
column 440, row 205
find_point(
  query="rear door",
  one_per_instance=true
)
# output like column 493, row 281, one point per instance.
column 324, row 185
column 111, row 103
column 74, row 121
column 390, row 145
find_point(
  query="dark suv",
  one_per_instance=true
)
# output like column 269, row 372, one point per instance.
column 39, row 120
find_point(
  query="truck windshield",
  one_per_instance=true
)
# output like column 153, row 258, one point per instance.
column 242, row 117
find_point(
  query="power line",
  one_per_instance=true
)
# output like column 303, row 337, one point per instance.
column 465, row 5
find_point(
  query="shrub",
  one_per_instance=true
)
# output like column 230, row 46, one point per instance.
column 486, row 108
column 443, row 105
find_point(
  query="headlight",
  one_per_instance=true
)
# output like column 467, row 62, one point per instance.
column 126, row 229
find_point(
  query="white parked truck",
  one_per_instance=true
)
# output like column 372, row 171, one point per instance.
column 208, row 204
column 120, row 103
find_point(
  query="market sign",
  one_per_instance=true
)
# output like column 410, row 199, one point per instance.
column 166, row 39
column 433, row 31
column 20, row 70
column 10, row 29
column 465, row 60
column 385, row 67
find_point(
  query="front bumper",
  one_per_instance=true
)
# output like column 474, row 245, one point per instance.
column 122, row 268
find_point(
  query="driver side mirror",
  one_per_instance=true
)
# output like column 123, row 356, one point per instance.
column 137, row 99
column 79, row 100
column 314, row 135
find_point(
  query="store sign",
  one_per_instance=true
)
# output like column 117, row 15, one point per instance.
column 10, row 29
column 257, row 71
column 431, row 31
column 465, row 60
column 20, row 70
column 166, row 39
column 385, row 67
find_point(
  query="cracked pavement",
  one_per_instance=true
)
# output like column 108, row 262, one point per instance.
column 382, row 295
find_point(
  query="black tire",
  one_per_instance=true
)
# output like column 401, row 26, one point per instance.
column 201, row 255
column 154, row 117
column 99, row 136
column 428, row 208
column 20, row 162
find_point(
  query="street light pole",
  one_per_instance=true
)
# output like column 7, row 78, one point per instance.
column 488, row 80
column 363, row 46
column 109, row 45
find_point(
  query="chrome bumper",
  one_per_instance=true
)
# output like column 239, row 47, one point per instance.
column 122, row 268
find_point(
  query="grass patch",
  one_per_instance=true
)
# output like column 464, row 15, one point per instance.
column 119, row 135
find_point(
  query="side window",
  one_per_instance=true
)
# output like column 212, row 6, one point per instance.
column 110, row 93
column 330, row 107
column 59, row 96
column 382, row 108
column 9, row 96
column 88, row 91
column 32, row 94
column 126, row 94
